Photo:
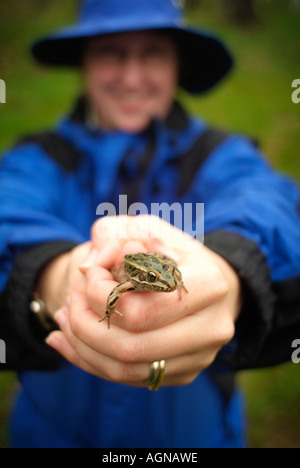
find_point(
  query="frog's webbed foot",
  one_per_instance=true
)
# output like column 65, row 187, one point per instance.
column 108, row 315
column 113, row 299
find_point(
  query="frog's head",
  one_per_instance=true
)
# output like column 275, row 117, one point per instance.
column 150, row 273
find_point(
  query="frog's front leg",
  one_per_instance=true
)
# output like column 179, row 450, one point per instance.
column 179, row 283
column 113, row 299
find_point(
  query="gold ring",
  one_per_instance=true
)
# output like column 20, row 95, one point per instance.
column 156, row 375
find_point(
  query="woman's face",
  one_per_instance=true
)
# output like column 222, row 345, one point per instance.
column 131, row 78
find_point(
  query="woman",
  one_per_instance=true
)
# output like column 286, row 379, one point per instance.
column 127, row 136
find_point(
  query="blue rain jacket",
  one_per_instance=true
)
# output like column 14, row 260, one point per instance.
column 48, row 203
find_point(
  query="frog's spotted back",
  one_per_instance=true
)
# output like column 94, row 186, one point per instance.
column 144, row 272
column 150, row 272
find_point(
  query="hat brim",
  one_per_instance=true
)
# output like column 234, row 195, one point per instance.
column 205, row 60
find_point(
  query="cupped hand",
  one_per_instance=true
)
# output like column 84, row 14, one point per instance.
column 187, row 334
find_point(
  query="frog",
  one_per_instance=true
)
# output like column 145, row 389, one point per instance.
column 149, row 271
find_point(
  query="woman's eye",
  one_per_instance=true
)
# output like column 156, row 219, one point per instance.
column 107, row 53
column 153, row 53
column 110, row 51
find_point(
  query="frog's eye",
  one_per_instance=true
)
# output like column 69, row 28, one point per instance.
column 151, row 277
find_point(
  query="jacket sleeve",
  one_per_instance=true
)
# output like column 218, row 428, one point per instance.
column 33, row 231
column 252, row 219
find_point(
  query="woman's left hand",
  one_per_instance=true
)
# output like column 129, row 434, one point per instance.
column 187, row 334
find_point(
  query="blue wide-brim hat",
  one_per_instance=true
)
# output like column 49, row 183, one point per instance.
column 204, row 59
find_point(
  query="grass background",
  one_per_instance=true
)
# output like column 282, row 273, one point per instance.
column 255, row 99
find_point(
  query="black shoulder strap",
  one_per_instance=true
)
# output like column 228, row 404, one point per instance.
column 202, row 148
column 131, row 187
column 58, row 148
column 188, row 164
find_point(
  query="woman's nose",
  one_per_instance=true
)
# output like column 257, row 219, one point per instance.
column 132, row 72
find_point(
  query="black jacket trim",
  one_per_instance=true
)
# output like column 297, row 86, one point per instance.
column 277, row 348
column 24, row 337
column 59, row 149
column 257, row 315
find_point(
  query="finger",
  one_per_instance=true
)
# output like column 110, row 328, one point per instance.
column 86, row 343
column 186, row 336
column 143, row 311
column 179, row 371
column 58, row 341
column 185, row 369
column 93, row 362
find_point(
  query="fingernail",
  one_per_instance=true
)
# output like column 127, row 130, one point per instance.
column 61, row 318
column 90, row 261
column 53, row 342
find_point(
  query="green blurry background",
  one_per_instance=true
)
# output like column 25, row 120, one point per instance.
column 255, row 100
